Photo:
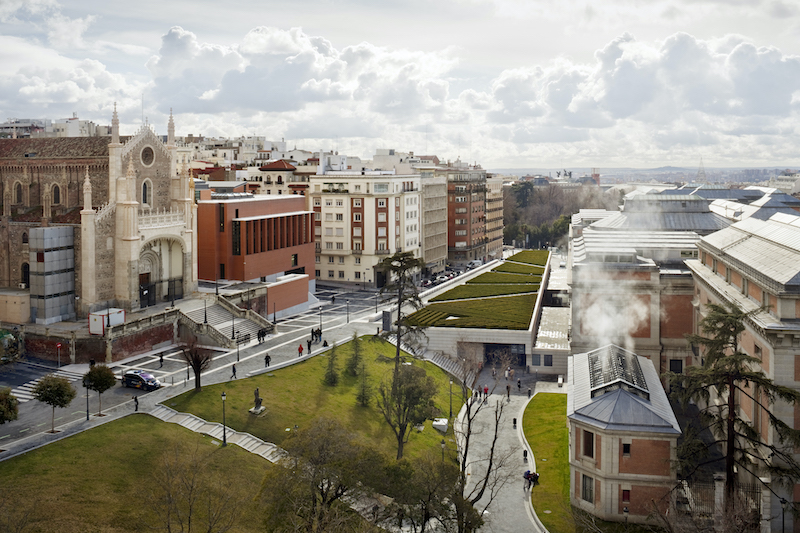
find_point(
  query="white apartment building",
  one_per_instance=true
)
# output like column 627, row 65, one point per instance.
column 494, row 217
column 361, row 218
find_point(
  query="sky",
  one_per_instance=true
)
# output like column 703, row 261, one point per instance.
column 504, row 83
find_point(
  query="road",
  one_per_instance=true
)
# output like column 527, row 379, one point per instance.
column 36, row 417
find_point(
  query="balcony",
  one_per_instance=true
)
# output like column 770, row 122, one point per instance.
column 357, row 252
column 381, row 252
column 336, row 191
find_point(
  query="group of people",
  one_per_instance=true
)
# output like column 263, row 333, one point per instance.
column 316, row 335
column 262, row 335
column 531, row 479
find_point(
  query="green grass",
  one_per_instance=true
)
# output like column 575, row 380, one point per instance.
column 545, row 426
column 533, row 257
column 510, row 312
column 296, row 394
column 500, row 278
column 93, row 481
column 481, row 290
column 517, row 268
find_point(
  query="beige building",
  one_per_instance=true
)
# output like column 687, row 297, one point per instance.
column 494, row 217
column 434, row 221
column 361, row 218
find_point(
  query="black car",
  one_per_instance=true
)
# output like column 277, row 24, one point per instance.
column 139, row 379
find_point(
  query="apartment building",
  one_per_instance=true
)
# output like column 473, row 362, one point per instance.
column 494, row 217
column 434, row 221
column 360, row 218
column 466, row 211
column 755, row 263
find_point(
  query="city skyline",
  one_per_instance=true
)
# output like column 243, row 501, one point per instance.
column 503, row 83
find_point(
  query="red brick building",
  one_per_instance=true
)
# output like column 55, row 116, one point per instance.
column 257, row 238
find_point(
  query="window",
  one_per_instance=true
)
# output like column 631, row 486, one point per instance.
column 381, row 232
column 358, row 259
column 317, row 216
column 356, row 232
column 329, row 232
column 317, row 202
column 536, row 359
column 339, row 203
column 24, row 238
column 381, row 187
column 356, row 245
column 318, row 230
column 236, row 238
column 330, row 273
column 316, row 273
column 626, row 496
column 328, row 217
column 221, row 218
column 587, row 489
column 294, row 260
column 356, row 217
column 19, row 193
column 461, row 233
column 339, row 217
column 328, row 203
column 461, row 210
column 330, row 259
column 357, row 201
column 341, row 274
column 381, row 217
column 381, row 201
column 756, row 349
column 588, row 444
column 339, row 232
column 358, row 189
column 341, row 260
column 358, row 275
column 316, row 259
column 461, row 199
column 329, row 245
column 145, row 195
column 548, row 359
column 57, row 195
column 340, row 246
column 626, row 449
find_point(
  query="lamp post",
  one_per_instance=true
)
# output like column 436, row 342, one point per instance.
column 238, row 343
column 783, row 515
column 233, row 326
column 224, row 436
column 443, row 445
column 320, row 317
column 171, row 289
column 274, row 314
column 205, row 312
column 87, row 397
column 625, row 512
column 451, row 398
column 348, row 310
column 58, row 350
column 376, row 302
column 216, row 286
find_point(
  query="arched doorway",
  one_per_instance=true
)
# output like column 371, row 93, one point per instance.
column 26, row 275
column 161, row 264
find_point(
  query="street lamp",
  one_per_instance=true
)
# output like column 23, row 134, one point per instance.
column 320, row 316
column 783, row 514
column 224, row 437
column 238, row 343
column 348, row 310
column 205, row 312
column 625, row 512
column 451, row 398
column 376, row 302
column 85, row 384
column 233, row 327
column 443, row 445
column 58, row 350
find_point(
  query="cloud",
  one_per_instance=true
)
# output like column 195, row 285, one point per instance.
column 64, row 32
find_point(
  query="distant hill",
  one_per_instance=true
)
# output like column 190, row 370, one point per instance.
column 670, row 169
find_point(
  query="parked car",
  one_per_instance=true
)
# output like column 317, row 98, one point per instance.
column 139, row 379
column 474, row 263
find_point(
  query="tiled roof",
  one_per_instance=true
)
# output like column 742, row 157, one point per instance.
column 280, row 164
column 58, row 148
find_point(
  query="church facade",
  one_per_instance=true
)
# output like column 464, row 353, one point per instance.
column 89, row 224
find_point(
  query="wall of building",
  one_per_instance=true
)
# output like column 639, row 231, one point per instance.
column 15, row 306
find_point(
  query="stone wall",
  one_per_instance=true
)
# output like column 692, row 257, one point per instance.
column 141, row 341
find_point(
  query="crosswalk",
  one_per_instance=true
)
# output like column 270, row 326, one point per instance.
column 24, row 392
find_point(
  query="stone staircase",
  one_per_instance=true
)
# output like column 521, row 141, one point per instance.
column 220, row 319
column 246, row 441
column 453, row 367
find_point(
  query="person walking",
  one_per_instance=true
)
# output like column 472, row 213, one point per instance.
column 333, row 300
column 135, row 403
column 233, row 369
column 300, row 351
column 267, row 359
column 519, row 385
column 508, row 392
column 308, row 342
column 485, row 392
column 161, row 360
column 313, row 335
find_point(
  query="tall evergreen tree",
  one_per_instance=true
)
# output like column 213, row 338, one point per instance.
column 728, row 376
column 331, row 373
column 354, row 361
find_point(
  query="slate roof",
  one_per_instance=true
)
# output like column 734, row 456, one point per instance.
column 616, row 408
column 57, row 148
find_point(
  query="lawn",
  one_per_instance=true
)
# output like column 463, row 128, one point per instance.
column 481, row 290
column 533, row 257
column 519, row 268
column 545, row 426
column 94, row 481
column 296, row 394
column 509, row 312
column 501, row 278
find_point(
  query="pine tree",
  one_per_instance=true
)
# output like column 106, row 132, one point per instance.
column 728, row 375
column 354, row 361
column 364, row 395
column 331, row 374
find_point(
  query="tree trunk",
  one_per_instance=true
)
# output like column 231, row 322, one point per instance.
column 730, row 480
column 53, row 421
column 99, row 404
column 196, row 380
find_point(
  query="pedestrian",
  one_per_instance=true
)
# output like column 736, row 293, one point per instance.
column 485, row 392
column 508, row 392
column 527, row 476
column 267, row 359
column 324, row 344
column 313, row 334
column 535, row 478
column 308, row 342
column 505, row 374
column 233, row 368
column 135, row 403
column 494, row 372
column 478, row 393
column 161, row 360
column 519, row 385
column 529, row 392
column 300, row 351
column 333, row 299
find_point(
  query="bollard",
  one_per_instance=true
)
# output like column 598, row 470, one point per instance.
column 515, row 423
column 525, row 456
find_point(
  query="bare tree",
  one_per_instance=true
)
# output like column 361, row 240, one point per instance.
column 198, row 358
column 186, row 496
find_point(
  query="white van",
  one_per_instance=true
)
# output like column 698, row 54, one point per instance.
column 474, row 263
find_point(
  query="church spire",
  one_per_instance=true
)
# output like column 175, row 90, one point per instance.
column 115, row 126
column 170, row 130
column 87, row 191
